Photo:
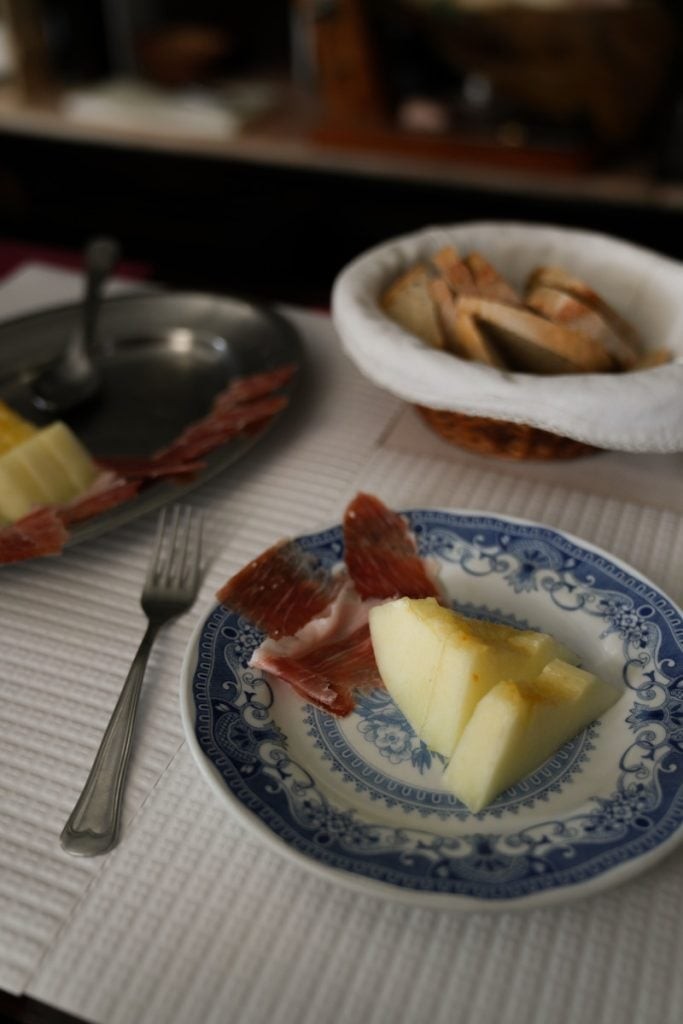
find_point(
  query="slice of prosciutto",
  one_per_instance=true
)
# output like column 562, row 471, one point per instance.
column 242, row 409
column 41, row 532
column 329, row 653
column 281, row 590
column 381, row 554
column 107, row 493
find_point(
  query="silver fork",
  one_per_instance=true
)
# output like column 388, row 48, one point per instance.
column 170, row 589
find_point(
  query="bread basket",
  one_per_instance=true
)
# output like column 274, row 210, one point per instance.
column 525, row 415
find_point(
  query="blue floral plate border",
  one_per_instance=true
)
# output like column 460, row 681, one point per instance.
column 359, row 799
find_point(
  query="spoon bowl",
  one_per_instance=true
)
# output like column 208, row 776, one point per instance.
column 74, row 377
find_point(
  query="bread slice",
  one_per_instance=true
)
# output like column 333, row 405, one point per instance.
column 463, row 335
column 655, row 357
column 409, row 302
column 488, row 281
column 536, row 345
column 557, row 277
column 569, row 311
column 454, row 271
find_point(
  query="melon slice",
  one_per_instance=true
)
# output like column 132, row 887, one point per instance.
column 437, row 664
column 49, row 467
column 517, row 725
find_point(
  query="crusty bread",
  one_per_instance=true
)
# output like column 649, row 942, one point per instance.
column 560, row 325
column 463, row 335
column 473, row 275
column 557, row 277
column 408, row 301
column 452, row 269
column 569, row 311
column 488, row 281
column 531, row 343
column 655, row 357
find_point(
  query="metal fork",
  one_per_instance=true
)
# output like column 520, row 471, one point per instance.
column 170, row 589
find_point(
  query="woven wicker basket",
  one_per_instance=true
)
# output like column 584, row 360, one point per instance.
column 501, row 437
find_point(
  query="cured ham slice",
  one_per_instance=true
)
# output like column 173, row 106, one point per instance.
column 221, row 425
column 41, row 532
column 318, row 638
column 327, row 675
column 243, row 408
column 99, row 499
column 246, row 389
column 281, row 590
column 141, row 469
column 381, row 554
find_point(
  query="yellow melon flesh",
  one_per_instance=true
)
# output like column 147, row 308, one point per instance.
column 13, row 428
column 518, row 725
column 50, row 467
column 437, row 665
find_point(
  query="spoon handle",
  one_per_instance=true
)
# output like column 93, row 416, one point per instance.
column 100, row 257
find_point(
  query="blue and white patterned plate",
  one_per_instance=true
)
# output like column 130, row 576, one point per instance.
column 360, row 798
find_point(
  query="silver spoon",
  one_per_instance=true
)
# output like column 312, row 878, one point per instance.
column 74, row 377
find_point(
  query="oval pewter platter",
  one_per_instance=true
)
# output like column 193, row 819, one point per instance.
column 163, row 359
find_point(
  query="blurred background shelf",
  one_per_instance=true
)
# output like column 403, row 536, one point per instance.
column 221, row 140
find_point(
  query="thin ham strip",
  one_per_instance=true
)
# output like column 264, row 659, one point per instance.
column 243, row 408
column 141, row 469
column 381, row 554
column 41, row 532
column 246, row 389
column 220, row 426
column 327, row 675
column 281, row 590
column 99, row 500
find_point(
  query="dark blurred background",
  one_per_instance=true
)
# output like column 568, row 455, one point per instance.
column 256, row 147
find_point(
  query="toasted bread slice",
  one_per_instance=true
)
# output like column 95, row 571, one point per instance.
column 409, row 302
column 534, row 344
column 455, row 272
column 489, row 282
column 569, row 311
column 556, row 277
column 655, row 357
column 463, row 335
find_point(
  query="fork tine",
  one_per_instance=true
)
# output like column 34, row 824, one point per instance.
column 155, row 560
column 192, row 553
column 182, row 534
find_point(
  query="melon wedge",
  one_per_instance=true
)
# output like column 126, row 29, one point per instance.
column 437, row 664
column 518, row 725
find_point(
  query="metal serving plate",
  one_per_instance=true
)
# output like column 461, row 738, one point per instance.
column 163, row 359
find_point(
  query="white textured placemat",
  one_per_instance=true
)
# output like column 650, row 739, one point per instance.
column 195, row 921
column 69, row 628
column 191, row 920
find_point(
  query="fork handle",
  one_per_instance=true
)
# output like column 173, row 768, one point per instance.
column 93, row 825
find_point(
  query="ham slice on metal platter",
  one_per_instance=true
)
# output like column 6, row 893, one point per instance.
column 41, row 532
column 329, row 653
column 241, row 409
